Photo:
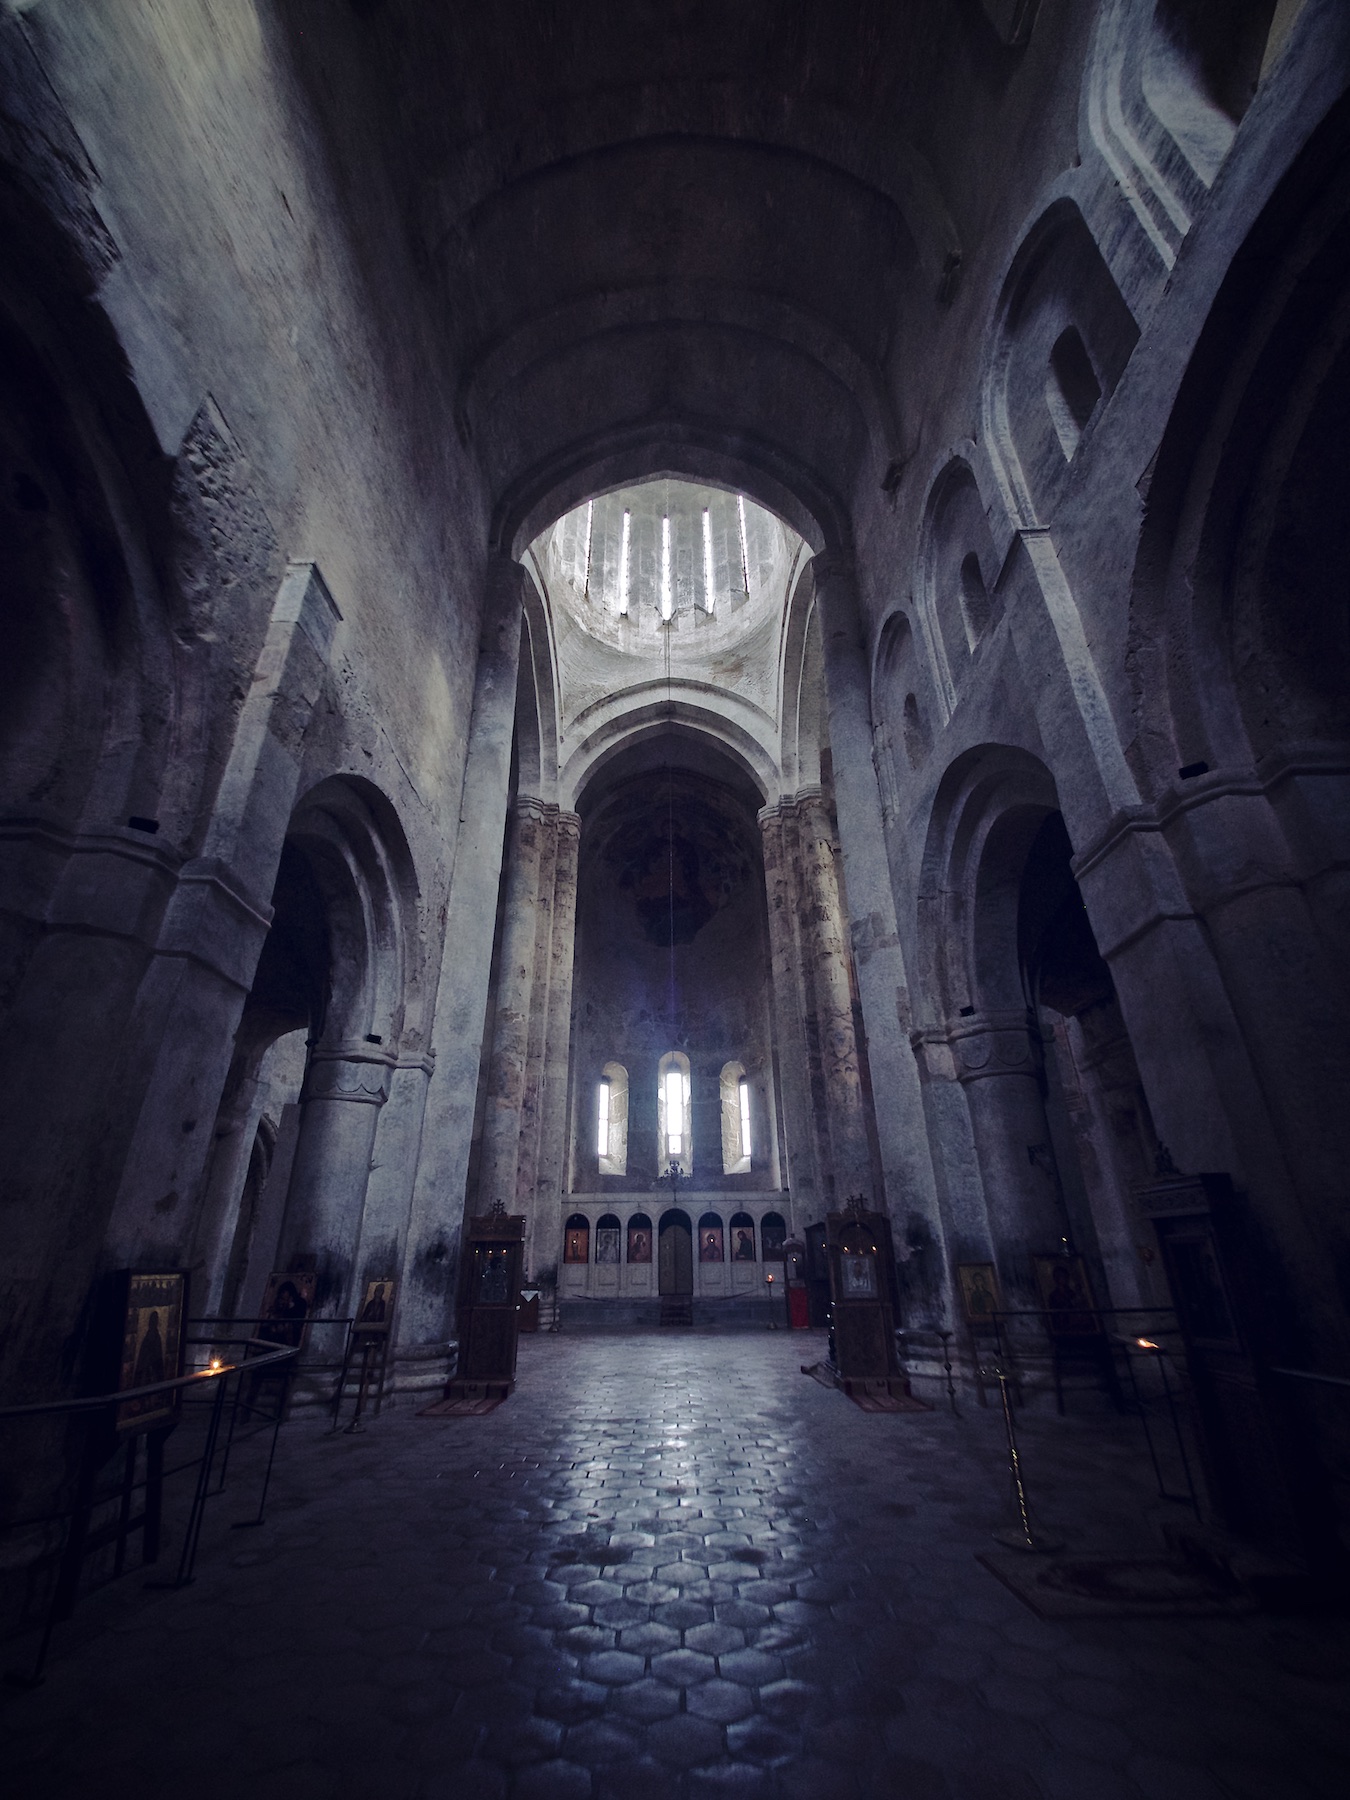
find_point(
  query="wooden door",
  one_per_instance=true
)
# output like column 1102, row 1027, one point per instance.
column 676, row 1254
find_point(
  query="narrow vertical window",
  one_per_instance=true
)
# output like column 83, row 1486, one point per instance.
column 667, row 604
column 674, row 1112
column 675, row 1140
column 623, row 564
column 1072, row 390
column 602, row 1119
column 735, row 1092
column 745, row 552
column 709, row 596
column 590, row 525
column 611, row 1120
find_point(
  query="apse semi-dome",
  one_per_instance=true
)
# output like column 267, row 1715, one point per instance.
column 669, row 562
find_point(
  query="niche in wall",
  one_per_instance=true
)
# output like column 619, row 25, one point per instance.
column 960, row 567
column 976, row 604
column 1072, row 390
column 1201, row 67
column 898, row 709
column 1067, row 336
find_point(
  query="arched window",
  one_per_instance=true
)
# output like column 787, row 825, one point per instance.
column 710, row 1245
column 742, row 1237
column 915, row 732
column 577, row 1239
column 736, row 1157
column 639, row 1239
column 974, row 599
column 611, row 1119
column 1072, row 389
column 675, row 1144
column 608, row 1232
column 772, row 1236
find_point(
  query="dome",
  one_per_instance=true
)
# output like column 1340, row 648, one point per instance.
column 668, row 562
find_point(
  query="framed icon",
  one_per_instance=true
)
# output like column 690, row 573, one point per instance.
column 710, row 1243
column 608, row 1236
column 288, row 1300
column 639, row 1239
column 493, row 1283
column 979, row 1292
column 375, row 1315
column 857, row 1276
column 742, row 1238
column 152, row 1347
column 1066, row 1297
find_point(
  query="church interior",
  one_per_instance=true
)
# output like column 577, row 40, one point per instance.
column 674, row 899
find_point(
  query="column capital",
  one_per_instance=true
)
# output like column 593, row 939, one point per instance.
column 504, row 576
column 997, row 1043
column 792, row 806
column 830, row 569
column 361, row 1076
column 530, row 806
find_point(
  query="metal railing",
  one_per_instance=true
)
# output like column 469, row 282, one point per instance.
column 101, row 1441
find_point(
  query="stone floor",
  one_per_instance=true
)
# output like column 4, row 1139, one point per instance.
column 670, row 1566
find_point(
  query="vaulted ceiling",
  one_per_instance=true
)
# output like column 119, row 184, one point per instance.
column 685, row 234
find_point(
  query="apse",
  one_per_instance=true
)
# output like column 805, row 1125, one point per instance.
column 671, row 956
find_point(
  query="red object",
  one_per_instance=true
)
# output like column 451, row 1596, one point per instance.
column 799, row 1308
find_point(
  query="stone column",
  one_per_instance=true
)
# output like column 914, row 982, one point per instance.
column 910, row 1188
column 1210, row 942
column 996, row 1064
column 339, row 1111
column 532, row 1090
column 384, row 1220
column 551, row 1163
column 507, row 1066
column 236, row 1131
column 805, row 1177
column 212, row 933
column 427, row 1297
column 850, row 1165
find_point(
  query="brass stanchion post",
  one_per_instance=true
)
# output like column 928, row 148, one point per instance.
column 1024, row 1536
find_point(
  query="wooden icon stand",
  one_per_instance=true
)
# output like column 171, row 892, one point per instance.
column 862, row 1311
column 488, row 1316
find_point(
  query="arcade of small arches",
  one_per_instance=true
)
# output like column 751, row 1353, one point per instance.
column 690, row 1249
